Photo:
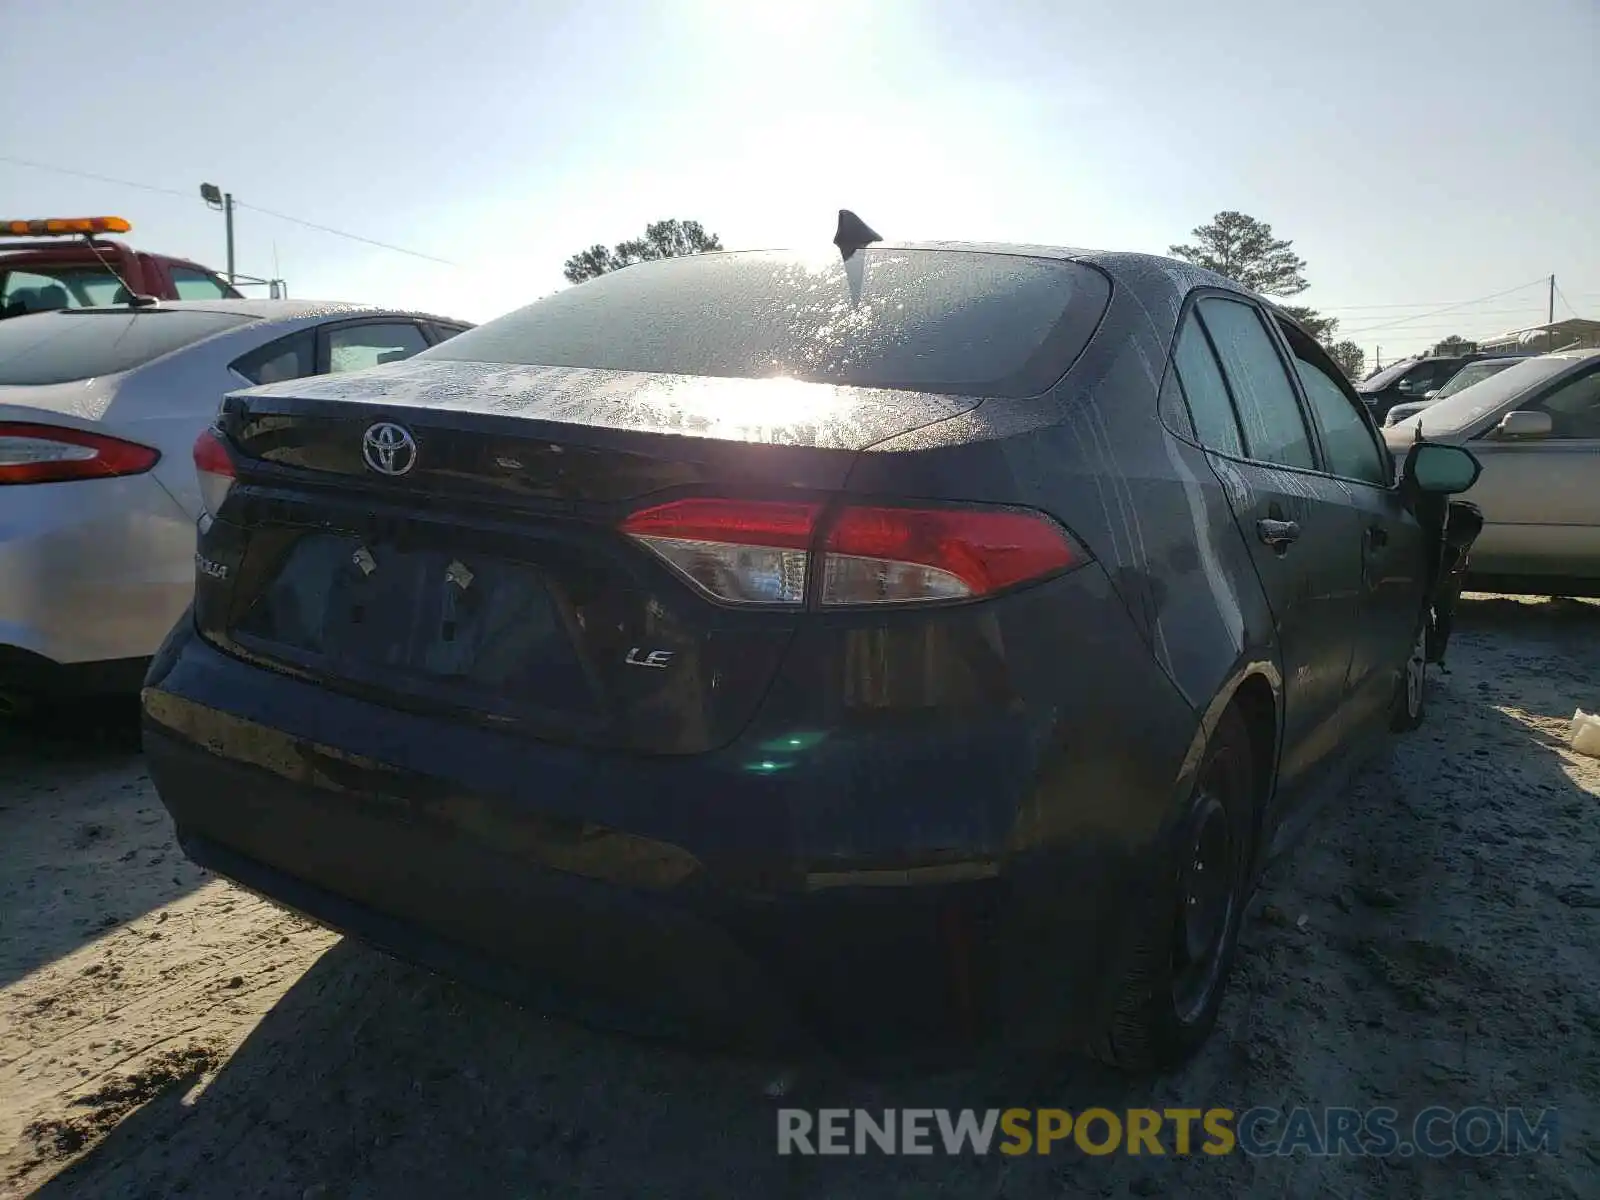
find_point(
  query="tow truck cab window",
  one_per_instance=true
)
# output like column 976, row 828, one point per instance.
column 42, row 288
column 193, row 284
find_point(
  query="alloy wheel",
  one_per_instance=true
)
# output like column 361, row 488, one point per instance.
column 1206, row 898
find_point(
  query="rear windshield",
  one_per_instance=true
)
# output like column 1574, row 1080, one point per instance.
column 58, row 347
column 929, row 320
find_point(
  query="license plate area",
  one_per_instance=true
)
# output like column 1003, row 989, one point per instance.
column 454, row 624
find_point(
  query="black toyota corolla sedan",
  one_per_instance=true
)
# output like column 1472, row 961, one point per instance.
column 906, row 639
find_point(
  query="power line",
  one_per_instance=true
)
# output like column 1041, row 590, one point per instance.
column 1482, row 312
column 1363, row 307
column 354, row 237
column 1451, row 327
column 143, row 187
column 165, row 191
column 1447, row 308
column 1429, row 328
column 1567, row 302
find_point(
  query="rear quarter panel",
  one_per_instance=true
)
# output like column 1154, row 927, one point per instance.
column 1095, row 454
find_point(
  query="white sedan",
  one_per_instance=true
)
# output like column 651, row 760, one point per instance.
column 99, row 411
column 1535, row 428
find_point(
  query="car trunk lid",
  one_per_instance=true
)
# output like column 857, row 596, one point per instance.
column 571, row 433
column 443, row 536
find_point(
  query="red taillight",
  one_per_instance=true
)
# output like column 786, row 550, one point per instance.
column 214, row 465
column 54, row 454
column 760, row 552
column 892, row 555
column 775, row 523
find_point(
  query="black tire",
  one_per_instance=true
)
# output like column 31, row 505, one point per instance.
column 1179, row 966
column 1411, row 689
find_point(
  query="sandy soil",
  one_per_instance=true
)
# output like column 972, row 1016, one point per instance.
column 1434, row 941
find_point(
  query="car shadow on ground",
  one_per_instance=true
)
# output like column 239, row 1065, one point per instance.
column 70, row 731
column 372, row 1078
column 84, row 843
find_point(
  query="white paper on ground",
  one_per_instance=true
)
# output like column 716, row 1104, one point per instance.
column 1585, row 735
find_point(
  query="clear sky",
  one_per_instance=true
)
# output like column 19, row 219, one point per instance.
column 1418, row 152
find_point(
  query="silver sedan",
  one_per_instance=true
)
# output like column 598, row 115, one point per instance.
column 1535, row 427
column 99, row 411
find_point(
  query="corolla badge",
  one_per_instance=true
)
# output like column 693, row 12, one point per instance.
column 389, row 449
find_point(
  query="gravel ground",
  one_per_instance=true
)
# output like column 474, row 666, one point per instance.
column 1434, row 941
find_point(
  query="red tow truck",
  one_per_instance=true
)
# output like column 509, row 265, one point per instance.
column 67, row 262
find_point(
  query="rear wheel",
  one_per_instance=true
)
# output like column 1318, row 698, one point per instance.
column 1185, row 938
column 1411, row 690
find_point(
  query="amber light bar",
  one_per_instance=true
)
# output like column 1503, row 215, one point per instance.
column 63, row 226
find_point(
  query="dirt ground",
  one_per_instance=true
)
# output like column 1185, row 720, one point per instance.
column 1436, row 940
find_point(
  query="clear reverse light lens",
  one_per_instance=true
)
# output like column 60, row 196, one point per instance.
column 735, row 573
column 847, row 579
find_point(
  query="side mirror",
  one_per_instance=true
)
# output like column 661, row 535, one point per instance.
column 1440, row 469
column 1525, row 424
column 1431, row 394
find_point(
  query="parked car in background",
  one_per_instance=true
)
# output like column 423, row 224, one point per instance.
column 850, row 644
column 99, row 410
column 1473, row 372
column 1413, row 378
column 1536, row 429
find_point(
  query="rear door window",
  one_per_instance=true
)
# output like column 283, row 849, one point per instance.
column 960, row 322
column 357, row 347
column 1215, row 425
column 59, row 347
column 289, row 357
column 1269, row 412
column 1348, row 442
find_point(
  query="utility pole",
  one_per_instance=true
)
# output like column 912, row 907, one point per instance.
column 1377, row 359
column 223, row 201
column 1549, row 332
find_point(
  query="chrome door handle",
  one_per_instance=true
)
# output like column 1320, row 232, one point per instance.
column 1278, row 534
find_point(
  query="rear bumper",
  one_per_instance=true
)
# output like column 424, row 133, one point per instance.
column 562, row 943
column 932, row 883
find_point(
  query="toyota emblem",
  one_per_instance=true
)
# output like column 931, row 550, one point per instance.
column 389, row 449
